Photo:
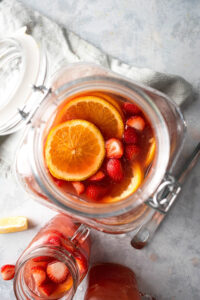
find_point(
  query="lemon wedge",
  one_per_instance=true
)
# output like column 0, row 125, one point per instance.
column 13, row 224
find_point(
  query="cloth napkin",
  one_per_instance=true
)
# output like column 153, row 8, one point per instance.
column 63, row 46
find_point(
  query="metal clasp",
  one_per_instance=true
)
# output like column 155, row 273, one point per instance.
column 165, row 194
column 42, row 89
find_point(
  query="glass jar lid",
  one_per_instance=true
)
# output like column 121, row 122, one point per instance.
column 23, row 66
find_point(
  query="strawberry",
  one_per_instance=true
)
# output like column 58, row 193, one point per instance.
column 79, row 187
column 130, row 108
column 39, row 275
column 47, row 288
column 132, row 151
column 57, row 271
column 114, row 148
column 95, row 192
column 98, row 176
column 114, row 169
column 130, row 136
column 8, row 272
column 54, row 240
column 136, row 122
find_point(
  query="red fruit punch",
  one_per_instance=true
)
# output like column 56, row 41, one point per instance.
column 132, row 151
column 130, row 136
column 114, row 148
column 8, row 272
column 47, row 288
column 114, row 169
column 95, row 192
column 131, row 108
column 136, row 122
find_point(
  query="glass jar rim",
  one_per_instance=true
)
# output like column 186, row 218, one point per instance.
column 54, row 251
column 127, row 89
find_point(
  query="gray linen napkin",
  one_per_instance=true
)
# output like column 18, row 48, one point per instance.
column 64, row 46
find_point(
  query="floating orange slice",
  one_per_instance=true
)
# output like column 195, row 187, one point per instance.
column 110, row 99
column 131, row 182
column 95, row 110
column 151, row 152
column 74, row 150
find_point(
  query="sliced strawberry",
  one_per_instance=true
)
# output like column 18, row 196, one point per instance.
column 130, row 108
column 114, row 169
column 47, row 288
column 98, row 176
column 42, row 259
column 95, row 192
column 79, row 187
column 132, row 151
column 8, row 272
column 114, row 148
column 57, row 271
column 39, row 275
column 54, row 240
column 136, row 122
column 130, row 136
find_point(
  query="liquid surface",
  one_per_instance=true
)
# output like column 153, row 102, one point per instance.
column 111, row 282
column 127, row 137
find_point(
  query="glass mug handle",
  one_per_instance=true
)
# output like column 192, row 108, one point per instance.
column 80, row 234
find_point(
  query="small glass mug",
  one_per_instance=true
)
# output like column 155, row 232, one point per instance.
column 63, row 240
column 33, row 103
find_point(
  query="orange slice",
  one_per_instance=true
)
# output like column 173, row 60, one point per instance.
column 110, row 99
column 132, row 180
column 151, row 152
column 74, row 150
column 95, row 110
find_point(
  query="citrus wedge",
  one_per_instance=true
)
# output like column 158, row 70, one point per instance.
column 74, row 150
column 109, row 99
column 132, row 180
column 95, row 110
column 13, row 224
column 151, row 152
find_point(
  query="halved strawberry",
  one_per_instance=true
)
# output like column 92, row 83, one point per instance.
column 47, row 288
column 114, row 148
column 130, row 136
column 114, row 169
column 57, row 271
column 39, row 275
column 98, row 176
column 130, row 108
column 132, row 151
column 95, row 192
column 79, row 187
column 136, row 122
column 8, row 272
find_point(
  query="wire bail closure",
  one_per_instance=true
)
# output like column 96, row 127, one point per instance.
column 165, row 194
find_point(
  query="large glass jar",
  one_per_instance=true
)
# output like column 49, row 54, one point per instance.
column 164, row 116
